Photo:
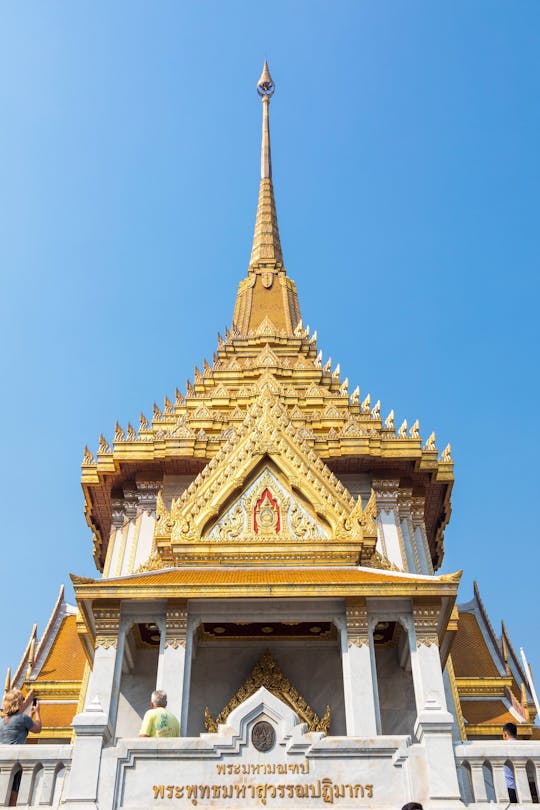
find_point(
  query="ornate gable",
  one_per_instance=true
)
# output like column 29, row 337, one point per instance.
column 271, row 497
column 266, row 509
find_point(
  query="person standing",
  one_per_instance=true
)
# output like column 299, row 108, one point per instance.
column 510, row 733
column 158, row 722
column 15, row 725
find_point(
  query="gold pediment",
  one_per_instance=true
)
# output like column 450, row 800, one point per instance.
column 267, row 488
column 268, row 674
column 266, row 510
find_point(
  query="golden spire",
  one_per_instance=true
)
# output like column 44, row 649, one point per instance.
column 266, row 299
column 266, row 244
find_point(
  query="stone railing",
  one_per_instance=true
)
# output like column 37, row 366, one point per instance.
column 44, row 768
column 481, row 769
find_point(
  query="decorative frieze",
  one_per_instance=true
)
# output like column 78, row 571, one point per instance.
column 147, row 495
column 118, row 515
column 176, row 627
column 137, row 497
column 426, row 622
column 387, row 493
column 357, row 624
column 107, row 621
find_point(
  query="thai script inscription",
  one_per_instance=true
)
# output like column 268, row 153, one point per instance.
column 262, row 767
column 324, row 789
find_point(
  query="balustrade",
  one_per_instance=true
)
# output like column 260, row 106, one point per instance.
column 482, row 770
column 44, row 768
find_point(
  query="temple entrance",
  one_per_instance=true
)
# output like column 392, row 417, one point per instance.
column 299, row 661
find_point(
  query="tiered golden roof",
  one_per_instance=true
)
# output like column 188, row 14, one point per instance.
column 268, row 406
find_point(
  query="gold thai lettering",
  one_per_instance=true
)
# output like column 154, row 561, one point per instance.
column 324, row 789
column 315, row 790
column 327, row 792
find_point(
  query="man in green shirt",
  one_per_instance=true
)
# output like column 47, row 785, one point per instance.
column 158, row 722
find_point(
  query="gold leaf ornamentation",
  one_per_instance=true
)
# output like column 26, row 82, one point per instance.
column 268, row 674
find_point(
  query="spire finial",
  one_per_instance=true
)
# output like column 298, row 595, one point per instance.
column 259, row 298
column 265, row 85
column 266, row 89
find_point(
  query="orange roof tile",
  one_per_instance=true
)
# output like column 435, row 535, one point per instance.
column 470, row 653
column 57, row 715
column 65, row 661
column 477, row 712
column 265, row 576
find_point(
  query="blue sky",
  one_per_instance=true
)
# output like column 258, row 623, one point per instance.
column 407, row 173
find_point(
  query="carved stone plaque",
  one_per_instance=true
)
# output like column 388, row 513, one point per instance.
column 263, row 736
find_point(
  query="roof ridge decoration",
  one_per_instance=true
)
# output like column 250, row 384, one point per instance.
column 267, row 673
column 27, row 660
column 496, row 642
column 267, row 439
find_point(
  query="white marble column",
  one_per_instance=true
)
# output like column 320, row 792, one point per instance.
column 95, row 724
column 359, row 680
column 434, row 723
column 420, row 536
column 388, row 522
column 172, row 656
column 192, row 625
column 405, row 502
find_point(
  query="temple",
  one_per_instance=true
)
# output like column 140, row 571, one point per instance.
column 268, row 546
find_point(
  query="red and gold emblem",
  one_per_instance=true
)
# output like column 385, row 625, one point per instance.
column 266, row 514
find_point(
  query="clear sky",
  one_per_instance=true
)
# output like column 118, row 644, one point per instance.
column 406, row 163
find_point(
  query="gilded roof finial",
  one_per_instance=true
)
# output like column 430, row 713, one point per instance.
column 266, row 89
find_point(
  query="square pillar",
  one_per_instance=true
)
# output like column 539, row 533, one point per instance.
column 27, row 783
column 192, row 625
column 359, row 682
column 522, row 781
column 421, row 541
column 6, row 770
column 171, row 670
column 434, row 723
column 95, row 724
column 499, row 779
column 48, row 784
